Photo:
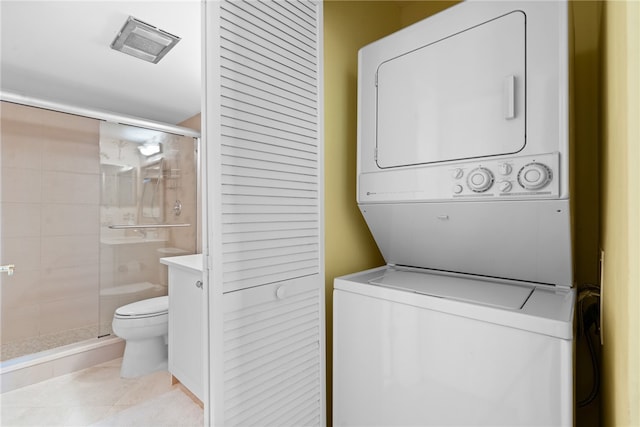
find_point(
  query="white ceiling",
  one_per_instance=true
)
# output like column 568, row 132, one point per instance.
column 60, row 51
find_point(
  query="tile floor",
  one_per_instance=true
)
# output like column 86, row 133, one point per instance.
column 97, row 396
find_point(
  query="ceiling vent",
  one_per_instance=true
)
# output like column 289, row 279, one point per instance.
column 144, row 41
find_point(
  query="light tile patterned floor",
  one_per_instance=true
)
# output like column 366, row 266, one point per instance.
column 97, row 396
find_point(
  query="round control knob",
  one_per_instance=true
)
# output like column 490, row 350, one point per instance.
column 505, row 186
column 480, row 180
column 534, row 176
column 457, row 173
column 457, row 189
column 505, row 169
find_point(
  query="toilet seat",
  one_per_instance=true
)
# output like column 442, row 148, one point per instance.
column 152, row 307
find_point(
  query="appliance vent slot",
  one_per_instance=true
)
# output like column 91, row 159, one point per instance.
column 269, row 142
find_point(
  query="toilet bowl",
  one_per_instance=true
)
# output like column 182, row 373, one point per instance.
column 144, row 327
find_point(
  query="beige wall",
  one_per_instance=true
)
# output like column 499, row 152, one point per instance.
column 621, row 213
column 50, row 198
column 194, row 123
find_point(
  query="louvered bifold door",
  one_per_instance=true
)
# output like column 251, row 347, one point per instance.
column 265, row 229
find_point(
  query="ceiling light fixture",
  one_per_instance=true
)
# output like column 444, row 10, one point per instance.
column 144, row 41
column 149, row 149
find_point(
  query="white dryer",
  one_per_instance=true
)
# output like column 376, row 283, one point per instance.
column 463, row 179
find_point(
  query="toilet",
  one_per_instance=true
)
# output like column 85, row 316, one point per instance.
column 144, row 327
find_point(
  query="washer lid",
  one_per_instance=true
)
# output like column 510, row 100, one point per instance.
column 484, row 292
column 151, row 306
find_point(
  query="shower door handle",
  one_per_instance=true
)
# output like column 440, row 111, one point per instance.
column 9, row 269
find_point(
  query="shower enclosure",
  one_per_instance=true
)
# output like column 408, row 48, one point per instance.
column 88, row 207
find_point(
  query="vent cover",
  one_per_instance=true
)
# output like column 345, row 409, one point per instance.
column 144, row 41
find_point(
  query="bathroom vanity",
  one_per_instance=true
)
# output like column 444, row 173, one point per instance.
column 185, row 321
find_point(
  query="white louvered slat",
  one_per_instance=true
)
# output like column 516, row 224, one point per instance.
column 244, row 93
column 294, row 16
column 296, row 368
column 248, row 82
column 288, row 79
column 268, row 235
column 238, row 218
column 295, row 145
column 265, row 209
column 271, row 30
column 235, row 199
column 272, row 375
column 268, row 192
column 268, row 245
column 231, row 149
column 246, row 267
column 301, row 11
column 270, row 183
column 256, row 37
column 272, row 252
column 268, row 112
column 235, row 122
column 267, row 12
column 260, row 59
column 264, row 124
column 267, row 347
column 261, row 278
column 274, row 269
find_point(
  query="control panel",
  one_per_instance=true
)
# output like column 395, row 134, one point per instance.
column 519, row 177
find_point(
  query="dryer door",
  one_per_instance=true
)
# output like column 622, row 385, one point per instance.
column 460, row 97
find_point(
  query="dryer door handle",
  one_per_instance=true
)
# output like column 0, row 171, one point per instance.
column 509, row 92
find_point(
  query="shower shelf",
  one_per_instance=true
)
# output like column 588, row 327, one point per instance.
column 130, row 240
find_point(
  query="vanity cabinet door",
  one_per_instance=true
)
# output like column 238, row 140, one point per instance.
column 185, row 328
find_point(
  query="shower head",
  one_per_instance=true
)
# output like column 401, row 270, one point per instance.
column 144, row 41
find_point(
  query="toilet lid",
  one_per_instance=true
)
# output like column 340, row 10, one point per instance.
column 145, row 307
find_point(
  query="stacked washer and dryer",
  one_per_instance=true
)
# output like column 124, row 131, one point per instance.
column 463, row 180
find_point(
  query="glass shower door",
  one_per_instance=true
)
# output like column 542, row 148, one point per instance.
column 148, row 210
column 87, row 209
column 49, row 191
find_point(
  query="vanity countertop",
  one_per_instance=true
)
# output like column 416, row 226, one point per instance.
column 188, row 262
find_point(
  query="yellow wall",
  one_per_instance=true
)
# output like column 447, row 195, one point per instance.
column 585, row 191
column 348, row 26
column 414, row 11
column 621, row 213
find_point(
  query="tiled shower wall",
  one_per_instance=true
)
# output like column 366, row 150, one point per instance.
column 180, row 185
column 50, row 197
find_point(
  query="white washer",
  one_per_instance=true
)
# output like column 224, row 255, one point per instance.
column 421, row 349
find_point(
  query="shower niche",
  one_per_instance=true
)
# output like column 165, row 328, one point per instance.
column 144, row 175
